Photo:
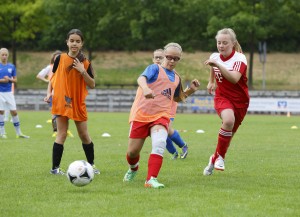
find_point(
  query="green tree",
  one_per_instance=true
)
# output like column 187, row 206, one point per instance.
column 74, row 14
column 20, row 20
column 116, row 25
column 284, row 29
column 150, row 24
column 176, row 20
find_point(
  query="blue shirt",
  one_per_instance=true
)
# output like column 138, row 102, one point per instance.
column 7, row 70
column 151, row 73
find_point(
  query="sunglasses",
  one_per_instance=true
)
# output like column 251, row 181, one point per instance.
column 158, row 57
column 176, row 59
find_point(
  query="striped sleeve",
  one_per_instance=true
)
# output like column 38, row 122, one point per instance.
column 239, row 66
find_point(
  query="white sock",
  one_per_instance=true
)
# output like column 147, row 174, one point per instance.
column 16, row 123
column 2, row 129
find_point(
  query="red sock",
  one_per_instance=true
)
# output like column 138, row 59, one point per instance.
column 224, row 139
column 154, row 165
column 133, row 162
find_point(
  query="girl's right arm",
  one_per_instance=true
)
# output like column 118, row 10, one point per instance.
column 142, row 82
column 43, row 73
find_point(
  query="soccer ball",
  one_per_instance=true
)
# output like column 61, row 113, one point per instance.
column 80, row 173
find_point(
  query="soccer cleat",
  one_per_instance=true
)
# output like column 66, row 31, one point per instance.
column 96, row 171
column 219, row 163
column 184, row 151
column 22, row 136
column 174, row 156
column 70, row 134
column 129, row 176
column 209, row 168
column 153, row 183
column 57, row 171
column 3, row 136
column 54, row 134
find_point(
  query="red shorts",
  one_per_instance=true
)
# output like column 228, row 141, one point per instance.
column 239, row 113
column 141, row 130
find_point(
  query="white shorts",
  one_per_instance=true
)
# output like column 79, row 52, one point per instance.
column 7, row 101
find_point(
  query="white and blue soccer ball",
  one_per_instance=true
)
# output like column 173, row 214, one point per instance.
column 80, row 173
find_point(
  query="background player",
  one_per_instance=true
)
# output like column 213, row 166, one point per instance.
column 8, row 76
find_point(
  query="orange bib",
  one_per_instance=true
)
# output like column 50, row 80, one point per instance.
column 69, row 90
column 149, row 110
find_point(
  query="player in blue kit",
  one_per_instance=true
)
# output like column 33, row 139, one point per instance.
column 8, row 76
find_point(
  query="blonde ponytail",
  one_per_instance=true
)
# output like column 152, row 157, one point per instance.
column 237, row 47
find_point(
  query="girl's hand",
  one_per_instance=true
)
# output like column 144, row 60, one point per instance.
column 148, row 93
column 194, row 84
column 47, row 98
column 78, row 66
column 211, row 62
column 211, row 88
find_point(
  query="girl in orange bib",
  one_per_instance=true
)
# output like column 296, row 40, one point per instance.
column 72, row 73
column 159, row 85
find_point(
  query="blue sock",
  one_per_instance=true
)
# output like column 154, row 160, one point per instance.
column 170, row 147
column 177, row 139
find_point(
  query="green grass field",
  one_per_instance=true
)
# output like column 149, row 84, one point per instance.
column 261, row 176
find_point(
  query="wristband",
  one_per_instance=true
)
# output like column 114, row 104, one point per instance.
column 188, row 91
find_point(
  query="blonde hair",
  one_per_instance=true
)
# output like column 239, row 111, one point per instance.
column 228, row 31
column 158, row 50
column 4, row 49
column 173, row 44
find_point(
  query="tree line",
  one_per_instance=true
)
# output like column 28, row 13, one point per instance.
column 129, row 25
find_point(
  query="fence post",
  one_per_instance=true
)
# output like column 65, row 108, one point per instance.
column 36, row 104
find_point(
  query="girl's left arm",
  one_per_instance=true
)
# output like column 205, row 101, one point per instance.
column 79, row 66
column 88, row 79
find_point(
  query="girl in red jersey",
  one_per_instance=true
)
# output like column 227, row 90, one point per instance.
column 159, row 85
column 72, row 73
column 229, row 70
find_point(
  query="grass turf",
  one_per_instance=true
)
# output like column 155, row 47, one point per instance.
column 261, row 176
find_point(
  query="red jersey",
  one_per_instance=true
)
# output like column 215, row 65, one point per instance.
column 236, row 93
